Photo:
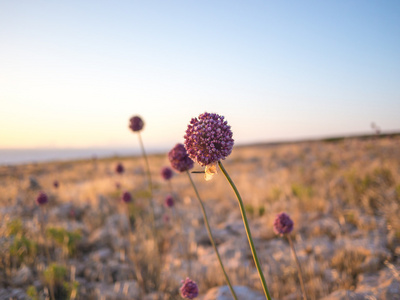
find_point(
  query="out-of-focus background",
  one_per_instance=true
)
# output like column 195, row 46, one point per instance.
column 322, row 77
column 73, row 72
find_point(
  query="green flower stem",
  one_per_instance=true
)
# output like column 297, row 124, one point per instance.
column 150, row 183
column 303, row 290
column 129, row 246
column 170, row 187
column 46, row 248
column 246, row 226
column 184, row 241
column 211, row 237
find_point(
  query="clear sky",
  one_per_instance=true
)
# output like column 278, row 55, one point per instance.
column 72, row 73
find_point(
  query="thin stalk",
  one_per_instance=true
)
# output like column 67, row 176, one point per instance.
column 47, row 251
column 300, row 273
column 139, row 276
column 153, row 218
column 170, row 186
column 248, row 233
column 211, row 237
column 176, row 217
column 182, row 240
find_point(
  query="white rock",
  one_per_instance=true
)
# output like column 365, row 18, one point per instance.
column 23, row 276
column 224, row 293
column 348, row 295
column 102, row 254
column 120, row 290
column 104, row 237
column 118, row 221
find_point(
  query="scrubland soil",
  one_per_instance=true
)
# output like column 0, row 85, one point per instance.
column 343, row 195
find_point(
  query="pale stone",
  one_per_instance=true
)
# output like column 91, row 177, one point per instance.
column 224, row 293
column 23, row 276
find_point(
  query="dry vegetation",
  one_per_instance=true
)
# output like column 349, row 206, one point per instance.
column 343, row 195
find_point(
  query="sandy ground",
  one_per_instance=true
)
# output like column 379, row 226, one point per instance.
column 343, row 196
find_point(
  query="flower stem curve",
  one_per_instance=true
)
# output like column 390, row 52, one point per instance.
column 248, row 233
column 300, row 273
column 211, row 236
column 149, row 180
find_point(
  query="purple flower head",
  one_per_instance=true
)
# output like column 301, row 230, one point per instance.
column 189, row 289
column 42, row 198
column 126, row 197
column 179, row 158
column 208, row 139
column 136, row 123
column 119, row 168
column 283, row 224
column 56, row 184
column 166, row 173
column 169, row 201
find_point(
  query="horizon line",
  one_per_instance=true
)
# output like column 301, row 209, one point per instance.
column 249, row 143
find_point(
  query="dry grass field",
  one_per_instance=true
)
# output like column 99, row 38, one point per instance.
column 343, row 196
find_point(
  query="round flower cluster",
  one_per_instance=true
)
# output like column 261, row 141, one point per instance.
column 166, row 173
column 189, row 289
column 283, row 224
column 136, row 123
column 119, row 168
column 169, row 201
column 42, row 198
column 179, row 158
column 126, row 197
column 208, row 139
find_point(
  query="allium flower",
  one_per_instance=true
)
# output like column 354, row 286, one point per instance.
column 208, row 139
column 119, row 168
column 166, row 173
column 56, row 184
column 42, row 198
column 189, row 289
column 126, row 197
column 179, row 158
column 136, row 123
column 283, row 224
column 169, row 201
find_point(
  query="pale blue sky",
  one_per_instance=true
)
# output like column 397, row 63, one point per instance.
column 72, row 73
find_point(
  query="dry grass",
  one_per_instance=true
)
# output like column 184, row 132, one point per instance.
column 334, row 191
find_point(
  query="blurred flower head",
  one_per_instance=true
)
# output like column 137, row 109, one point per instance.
column 119, row 168
column 283, row 224
column 208, row 139
column 126, row 197
column 189, row 289
column 42, row 198
column 56, row 184
column 136, row 123
column 179, row 158
column 169, row 201
column 166, row 173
